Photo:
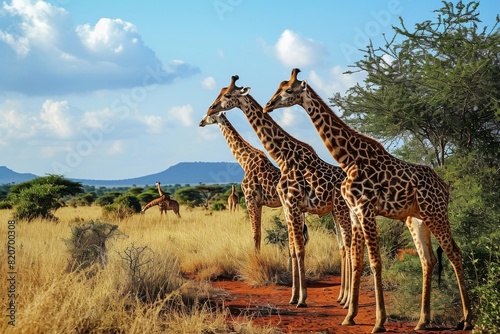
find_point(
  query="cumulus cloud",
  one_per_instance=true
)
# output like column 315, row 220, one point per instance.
column 294, row 50
column 43, row 53
column 182, row 114
column 55, row 118
column 117, row 147
column 209, row 83
column 335, row 82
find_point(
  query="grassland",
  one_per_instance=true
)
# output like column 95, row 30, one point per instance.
column 181, row 253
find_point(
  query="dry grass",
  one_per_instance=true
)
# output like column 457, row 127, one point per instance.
column 51, row 300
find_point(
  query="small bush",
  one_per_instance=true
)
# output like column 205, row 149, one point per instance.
column 87, row 244
column 277, row 235
column 4, row 205
column 218, row 206
column 150, row 278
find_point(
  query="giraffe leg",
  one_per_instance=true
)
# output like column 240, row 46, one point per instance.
column 422, row 238
column 370, row 232
column 343, row 264
column 342, row 274
column 255, row 213
column 452, row 250
column 357, row 250
column 297, row 254
column 348, row 278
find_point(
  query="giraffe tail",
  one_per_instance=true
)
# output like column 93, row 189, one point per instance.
column 439, row 252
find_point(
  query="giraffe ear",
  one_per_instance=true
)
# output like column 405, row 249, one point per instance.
column 244, row 91
column 303, row 84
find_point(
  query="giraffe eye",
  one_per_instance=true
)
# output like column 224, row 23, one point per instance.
column 227, row 96
column 289, row 91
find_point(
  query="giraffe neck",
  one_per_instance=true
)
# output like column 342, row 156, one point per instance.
column 160, row 191
column 345, row 144
column 279, row 144
column 153, row 203
column 244, row 153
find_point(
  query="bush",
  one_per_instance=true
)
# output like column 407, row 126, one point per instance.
column 123, row 206
column 488, row 309
column 218, row 206
column 87, row 244
column 149, row 277
column 278, row 235
column 5, row 205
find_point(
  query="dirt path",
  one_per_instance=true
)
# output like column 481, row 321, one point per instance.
column 269, row 306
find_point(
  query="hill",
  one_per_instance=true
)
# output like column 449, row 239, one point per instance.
column 9, row 176
column 183, row 173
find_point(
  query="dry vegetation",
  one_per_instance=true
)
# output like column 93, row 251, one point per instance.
column 182, row 254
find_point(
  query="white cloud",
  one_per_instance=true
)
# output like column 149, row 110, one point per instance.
column 182, row 114
column 55, row 118
column 37, row 39
column 209, row 83
column 14, row 122
column 295, row 51
column 117, row 147
column 98, row 119
column 336, row 81
column 288, row 118
column 154, row 123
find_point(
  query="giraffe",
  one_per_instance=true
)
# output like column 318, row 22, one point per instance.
column 307, row 183
column 378, row 183
column 233, row 199
column 164, row 202
column 164, row 205
column 260, row 178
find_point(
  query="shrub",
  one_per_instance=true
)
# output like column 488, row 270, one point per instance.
column 488, row 309
column 218, row 206
column 123, row 206
column 87, row 244
column 149, row 277
column 5, row 205
column 277, row 235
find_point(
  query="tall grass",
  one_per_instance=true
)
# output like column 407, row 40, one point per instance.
column 50, row 299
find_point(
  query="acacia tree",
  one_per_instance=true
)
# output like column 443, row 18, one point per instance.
column 37, row 198
column 435, row 89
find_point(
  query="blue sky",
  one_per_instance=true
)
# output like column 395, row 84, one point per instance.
column 112, row 90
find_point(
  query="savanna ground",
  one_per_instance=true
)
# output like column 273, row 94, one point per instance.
column 195, row 274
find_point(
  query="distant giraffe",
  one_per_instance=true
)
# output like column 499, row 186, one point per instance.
column 307, row 183
column 261, row 176
column 233, row 201
column 164, row 202
column 379, row 184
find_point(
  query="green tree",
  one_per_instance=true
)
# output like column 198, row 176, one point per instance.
column 208, row 192
column 189, row 196
column 435, row 87
column 37, row 198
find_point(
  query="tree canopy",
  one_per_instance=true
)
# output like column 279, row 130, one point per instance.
column 37, row 198
column 435, row 88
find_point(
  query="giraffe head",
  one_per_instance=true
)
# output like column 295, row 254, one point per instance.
column 229, row 97
column 209, row 119
column 289, row 93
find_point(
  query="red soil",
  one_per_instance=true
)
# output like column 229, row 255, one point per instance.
column 268, row 305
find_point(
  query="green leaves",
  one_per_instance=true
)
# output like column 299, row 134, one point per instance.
column 37, row 198
column 436, row 85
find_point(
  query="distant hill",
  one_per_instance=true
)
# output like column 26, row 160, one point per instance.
column 183, row 173
column 9, row 176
